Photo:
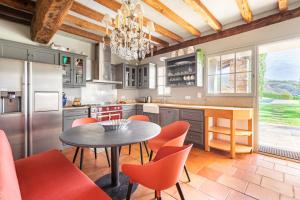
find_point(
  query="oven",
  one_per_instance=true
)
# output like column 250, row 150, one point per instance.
column 105, row 113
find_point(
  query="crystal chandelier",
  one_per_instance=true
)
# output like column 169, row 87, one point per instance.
column 128, row 39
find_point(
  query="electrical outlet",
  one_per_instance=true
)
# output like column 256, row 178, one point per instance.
column 187, row 97
column 199, row 95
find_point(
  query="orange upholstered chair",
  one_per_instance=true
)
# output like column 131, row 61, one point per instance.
column 173, row 134
column 161, row 173
column 80, row 122
column 140, row 118
column 44, row 176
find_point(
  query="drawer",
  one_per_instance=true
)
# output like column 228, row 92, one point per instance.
column 128, row 107
column 195, row 137
column 195, row 115
column 196, row 126
column 75, row 112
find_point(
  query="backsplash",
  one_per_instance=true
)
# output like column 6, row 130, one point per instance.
column 93, row 93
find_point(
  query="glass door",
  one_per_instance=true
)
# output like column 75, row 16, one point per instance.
column 66, row 61
column 279, row 98
column 79, row 74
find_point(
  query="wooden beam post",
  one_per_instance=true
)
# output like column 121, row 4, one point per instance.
column 245, row 10
column 200, row 8
column 48, row 18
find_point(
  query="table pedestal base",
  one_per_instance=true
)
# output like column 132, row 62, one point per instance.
column 115, row 192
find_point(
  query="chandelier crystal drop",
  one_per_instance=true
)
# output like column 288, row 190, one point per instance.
column 128, row 39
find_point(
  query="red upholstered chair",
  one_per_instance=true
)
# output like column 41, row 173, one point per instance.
column 140, row 118
column 161, row 173
column 171, row 135
column 45, row 176
column 80, row 122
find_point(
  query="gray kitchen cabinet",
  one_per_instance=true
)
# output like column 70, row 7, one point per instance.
column 146, row 76
column 139, row 110
column 168, row 116
column 43, row 56
column 153, row 117
column 74, row 69
column 69, row 116
column 196, row 131
column 14, row 51
column 127, row 74
column 128, row 111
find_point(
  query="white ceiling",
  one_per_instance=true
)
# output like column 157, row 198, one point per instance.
column 226, row 11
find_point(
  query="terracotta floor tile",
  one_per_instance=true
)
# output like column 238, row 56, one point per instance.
column 292, row 180
column 234, row 195
column 277, row 186
column 233, row 183
column 229, row 170
column 266, row 164
column 282, row 197
column 216, row 190
column 190, row 193
column 196, row 181
column 275, row 160
column 293, row 164
column 297, row 192
column 287, row 169
column 209, row 173
column 248, row 176
column 245, row 165
column 270, row 173
column 261, row 193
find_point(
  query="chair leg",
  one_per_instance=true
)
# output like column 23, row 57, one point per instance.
column 150, row 157
column 95, row 152
column 75, row 155
column 180, row 191
column 129, row 149
column 141, row 153
column 107, row 156
column 81, row 158
column 158, row 195
column 146, row 148
column 187, row 173
column 120, row 148
column 129, row 191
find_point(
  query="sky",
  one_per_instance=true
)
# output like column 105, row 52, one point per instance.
column 283, row 65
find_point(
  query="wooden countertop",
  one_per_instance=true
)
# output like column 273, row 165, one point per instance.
column 75, row 107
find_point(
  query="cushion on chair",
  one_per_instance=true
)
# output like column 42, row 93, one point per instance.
column 49, row 176
column 9, row 186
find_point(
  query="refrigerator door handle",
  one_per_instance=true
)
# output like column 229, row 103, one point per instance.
column 26, row 112
column 30, row 109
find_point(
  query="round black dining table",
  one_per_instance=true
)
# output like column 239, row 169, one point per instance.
column 95, row 136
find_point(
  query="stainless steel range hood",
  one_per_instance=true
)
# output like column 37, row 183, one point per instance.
column 103, row 69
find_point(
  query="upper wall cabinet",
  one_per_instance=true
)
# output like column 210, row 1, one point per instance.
column 186, row 70
column 146, row 76
column 43, row 56
column 74, row 70
column 14, row 51
column 127, row 74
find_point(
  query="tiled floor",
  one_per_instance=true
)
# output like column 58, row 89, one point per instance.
column 215, row 176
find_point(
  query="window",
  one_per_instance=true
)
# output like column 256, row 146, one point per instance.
column 161, row 82
column 230, row 73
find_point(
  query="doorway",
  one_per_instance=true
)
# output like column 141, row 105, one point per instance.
column 279, row 98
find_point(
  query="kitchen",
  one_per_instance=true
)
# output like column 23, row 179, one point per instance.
column 50, row 80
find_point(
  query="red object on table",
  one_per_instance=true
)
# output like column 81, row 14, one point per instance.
column 44, row 176
column 105, row 113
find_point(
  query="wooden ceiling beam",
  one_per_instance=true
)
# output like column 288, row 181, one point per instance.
column 167, row 12
column 85, row 24
column 200, row 8
column 91, row 26
column 48, row 18
column 259, row 23
column 245, row 10
column 115, row 6
column 26, row 6
column 76, row 31
column 283, row 5
column 16, row 14
column 86, row 11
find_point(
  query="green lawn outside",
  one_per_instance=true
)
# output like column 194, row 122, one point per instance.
column 280, row 114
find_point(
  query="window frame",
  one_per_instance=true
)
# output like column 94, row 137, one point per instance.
column 165, row 82
column 252, row 71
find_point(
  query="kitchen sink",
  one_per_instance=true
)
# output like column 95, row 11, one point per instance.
column 151, row 108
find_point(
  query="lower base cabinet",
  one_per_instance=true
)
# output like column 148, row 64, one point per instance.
column 153, row 117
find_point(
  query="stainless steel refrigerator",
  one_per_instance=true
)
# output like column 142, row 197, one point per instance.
column 30, row 106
